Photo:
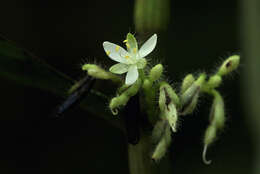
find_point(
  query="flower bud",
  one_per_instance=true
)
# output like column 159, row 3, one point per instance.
column 162, row 99
column 99, row 73
column 170, row 93
column 162, row 146
column 210, row 136
column 134, row 88
column 172, row 116
column 217, row 120
column 158, row 130
column 122, row 99
column 117, row 102
column 156, row 72
column 167, row 104
column 147, row 84
column 229, row 65
column 217, row 114
column 189, row 98
column 187, row 82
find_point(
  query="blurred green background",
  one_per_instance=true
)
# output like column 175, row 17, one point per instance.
column 66, row 34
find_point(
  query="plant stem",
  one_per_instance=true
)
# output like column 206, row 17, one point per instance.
column 138, row 155
column 251, row 27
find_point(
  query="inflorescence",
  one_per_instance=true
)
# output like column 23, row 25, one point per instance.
column 163, row 114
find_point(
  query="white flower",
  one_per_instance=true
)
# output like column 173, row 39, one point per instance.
column 132, row 59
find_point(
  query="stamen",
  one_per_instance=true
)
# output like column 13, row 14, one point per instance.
column 127, row 45
column 135, row 50
column 126, row 57
column 117, row 48
column 108, row 52
column 125, row 41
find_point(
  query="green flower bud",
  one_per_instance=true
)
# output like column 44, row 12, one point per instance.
column 169, row 92
column 162, row 146
column 189, row 98
column 156, row 72
column 229, row 65
column 122, row 99
column 147, row 84
column 217, row 120
column 99, row 73
column 158, row 130
column 133, row 89
column 162, row 99
column 187, row 82
column 189, row 108
column 210, row 135
column 172, row 116
column 167, row 104
column 116, row 102
column 217, row 114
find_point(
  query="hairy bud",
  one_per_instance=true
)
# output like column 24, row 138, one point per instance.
column 156, row 72
column 229, row 65
column 217, row 120
column 190, row 97
column 187, row 82
column 99, row 73
column 163, row 144
column 123, row 98
column 167, row 104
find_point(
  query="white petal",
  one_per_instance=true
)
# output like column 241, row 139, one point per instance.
column 119, row 68
column 148, row 46
column 115, row 52
column 131, row 75
column 132, row 43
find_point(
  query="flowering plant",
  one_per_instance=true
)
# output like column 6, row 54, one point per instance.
column 164, row 114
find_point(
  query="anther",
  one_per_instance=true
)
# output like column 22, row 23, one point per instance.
column 117, row 48
column 108, row 52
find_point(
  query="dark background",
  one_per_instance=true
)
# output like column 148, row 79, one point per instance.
column 200, row 35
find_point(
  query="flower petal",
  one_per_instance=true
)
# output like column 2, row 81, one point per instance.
column 132, row 43
column 115, row 52
column 131, row 75
column 148, row 46
column 119, row 68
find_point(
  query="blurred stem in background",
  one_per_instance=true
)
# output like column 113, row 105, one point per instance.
column 251, row 36
column 150, row 16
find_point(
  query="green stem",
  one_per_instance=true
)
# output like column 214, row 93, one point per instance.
column 139, row 160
